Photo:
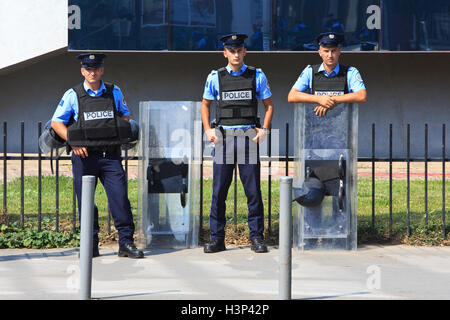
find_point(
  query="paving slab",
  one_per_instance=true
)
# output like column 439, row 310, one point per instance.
column 371, row 272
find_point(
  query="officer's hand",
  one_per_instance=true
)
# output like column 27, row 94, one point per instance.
column 211, row 135
column 327, row 101
column 320, row 110
column 260, row 135
column 80, row 151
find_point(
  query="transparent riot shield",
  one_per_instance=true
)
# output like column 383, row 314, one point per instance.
column 169, row 174
column 325, row 150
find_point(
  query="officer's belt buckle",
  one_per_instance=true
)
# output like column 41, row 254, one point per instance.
column 243, row 132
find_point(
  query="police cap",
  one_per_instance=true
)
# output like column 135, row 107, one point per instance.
column 91, row 60
column 330, row 39
column 234, row 40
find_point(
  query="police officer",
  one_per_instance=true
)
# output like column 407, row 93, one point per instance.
column 329, row 83
column 94, row 119
column 326, row 85
column 235, row 134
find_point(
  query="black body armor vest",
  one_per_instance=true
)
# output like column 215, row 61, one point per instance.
column 98, row 124
column 323, row 85
column 238, row 103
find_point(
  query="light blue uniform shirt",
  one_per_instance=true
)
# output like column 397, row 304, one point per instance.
column 212, row 88
column 69, row 103
column 354, row 80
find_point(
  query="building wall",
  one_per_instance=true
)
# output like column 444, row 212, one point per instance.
column 31, row 28
column 402, row 88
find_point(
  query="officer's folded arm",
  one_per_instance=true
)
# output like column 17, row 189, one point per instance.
column 296, row 96
column 61, row 129
column 353, row 97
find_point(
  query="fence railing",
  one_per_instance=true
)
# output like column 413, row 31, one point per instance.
column 269, row 159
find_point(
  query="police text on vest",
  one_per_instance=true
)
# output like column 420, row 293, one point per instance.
column 329, row 93
column 237, row 95
column 95, row 115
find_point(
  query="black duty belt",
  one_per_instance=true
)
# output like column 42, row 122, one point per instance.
column 232, row 132
column 105, row 149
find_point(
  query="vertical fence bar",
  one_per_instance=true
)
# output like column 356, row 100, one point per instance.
column 269, row 187
column 235, row 197
column 5, row 153
column 22, row 174
column 39, row 180
column 287, row 149
column 408, row 153
column 443, row 182
column 373, row 178
column 201, row 184
column 57, row 193
column 126, row 170
column 109, row 219
column 390, row 181
column 426, row 178
column 74, row 206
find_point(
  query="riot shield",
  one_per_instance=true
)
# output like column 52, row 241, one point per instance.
column 325, row 151
column 169, row 174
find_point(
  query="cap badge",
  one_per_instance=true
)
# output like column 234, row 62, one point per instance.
column 234, row 37
column 92, row 57
column 331, row 36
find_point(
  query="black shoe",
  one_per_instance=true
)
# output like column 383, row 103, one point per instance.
column 215, row 245
column 95, row 252
column 129, row 250
column 258, row 245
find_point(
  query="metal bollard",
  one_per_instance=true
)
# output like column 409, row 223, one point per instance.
column 86, row 235
column 285, row 238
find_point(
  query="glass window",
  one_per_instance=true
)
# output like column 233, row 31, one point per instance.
column 416, row 25
column 198, row 24
column 298, row 22
column 153, row 25
column 289, row 25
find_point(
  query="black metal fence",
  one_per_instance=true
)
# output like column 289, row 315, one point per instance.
column 269, row 159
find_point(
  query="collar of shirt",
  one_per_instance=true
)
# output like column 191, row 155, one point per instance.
column 332, row 74
column 237, row 73
column 93, row 93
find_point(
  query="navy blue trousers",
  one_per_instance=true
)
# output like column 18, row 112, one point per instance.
column 111, row 174
column 246, row 153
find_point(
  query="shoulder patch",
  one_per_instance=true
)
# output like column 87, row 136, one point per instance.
column 358, row 77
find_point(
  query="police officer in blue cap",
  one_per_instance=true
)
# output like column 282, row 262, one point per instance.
column 325, row 85
column 329, row 83
column 236, row 133
column 94, row 120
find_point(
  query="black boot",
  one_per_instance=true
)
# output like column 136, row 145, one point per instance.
column 215, row 245
column 258, row 245
column 129, row 250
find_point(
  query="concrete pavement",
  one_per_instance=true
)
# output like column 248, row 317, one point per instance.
column 371, row 272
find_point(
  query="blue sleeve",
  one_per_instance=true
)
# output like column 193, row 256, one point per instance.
column 355, row 81
column 121, row 105
column 211, row 86
column 303, row 82
column 67, row 107
column 262, row 85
